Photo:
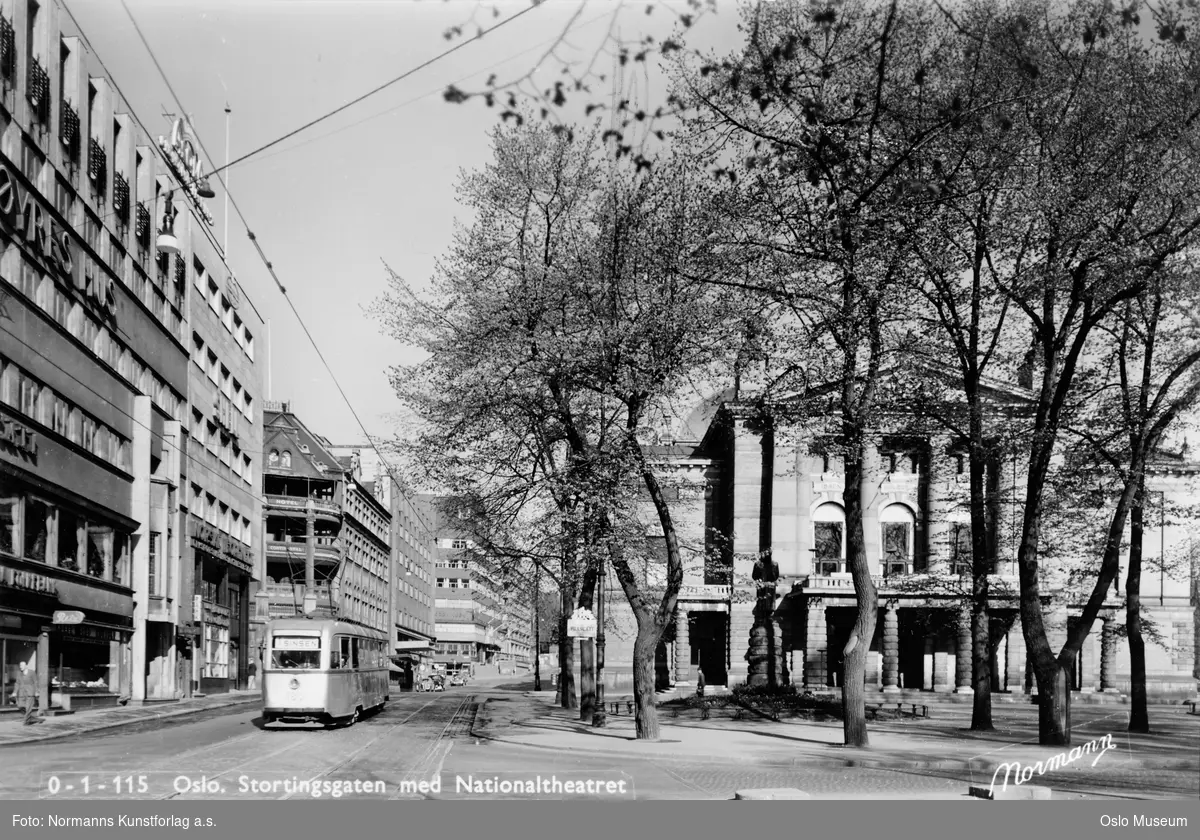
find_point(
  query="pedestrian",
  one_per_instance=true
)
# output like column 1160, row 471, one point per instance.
column 25, row 694
column 253, row 669
column 700, row 694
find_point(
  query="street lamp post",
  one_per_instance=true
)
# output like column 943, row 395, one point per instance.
column 598, row 717
column 537, row 630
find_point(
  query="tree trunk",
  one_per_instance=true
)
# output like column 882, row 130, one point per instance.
column 587, row 653
column 644, row 647
column 1139, row 714
column 854, row 662
column 983, row 564
column 587, row 679
column 1054, row 705
column 566, row 655
column 981, row 662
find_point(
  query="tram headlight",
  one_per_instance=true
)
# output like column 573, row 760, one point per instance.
column 295, row 683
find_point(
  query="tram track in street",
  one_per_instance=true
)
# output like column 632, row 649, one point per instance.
column 460, row 723
column 300, row 739
column 359, row 751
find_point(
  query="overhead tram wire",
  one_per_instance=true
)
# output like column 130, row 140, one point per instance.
column 258, row 247
column 217, row 170
column 574, row 28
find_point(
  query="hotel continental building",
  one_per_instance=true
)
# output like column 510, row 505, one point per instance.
column 99, row 222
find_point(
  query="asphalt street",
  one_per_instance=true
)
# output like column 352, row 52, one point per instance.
column 421, row 738
column 418, row 737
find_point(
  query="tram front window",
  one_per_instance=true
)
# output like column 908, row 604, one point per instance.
column 296, row 654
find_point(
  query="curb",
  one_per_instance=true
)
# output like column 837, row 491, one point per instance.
column 99, row 727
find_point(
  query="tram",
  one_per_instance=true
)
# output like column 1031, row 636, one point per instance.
column 325, row 671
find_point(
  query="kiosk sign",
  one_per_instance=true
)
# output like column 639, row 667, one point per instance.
column 582, row 624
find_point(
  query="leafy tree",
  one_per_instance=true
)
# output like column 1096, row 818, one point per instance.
column 561, row 329
column 812, row 127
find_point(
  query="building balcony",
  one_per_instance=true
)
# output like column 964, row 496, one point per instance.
column 327, row 550
column 907, row 581
column 287, row 599
column 299, row 504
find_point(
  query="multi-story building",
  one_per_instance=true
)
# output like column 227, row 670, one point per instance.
column 516, row 636
column 328, row 542
column 366, row 534
column 93, row 342
column 477, row 616
column 412, row 551
column 222, row 562
column 303, row 490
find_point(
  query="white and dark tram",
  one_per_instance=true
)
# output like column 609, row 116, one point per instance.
column 326, row 671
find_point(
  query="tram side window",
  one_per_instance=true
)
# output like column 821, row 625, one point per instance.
column 355, row 645
column 340, row 657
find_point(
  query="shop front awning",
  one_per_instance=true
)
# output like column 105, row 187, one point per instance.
column 414, row 645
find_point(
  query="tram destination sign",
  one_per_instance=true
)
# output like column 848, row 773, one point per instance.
column 68, row 617
column 297, row 643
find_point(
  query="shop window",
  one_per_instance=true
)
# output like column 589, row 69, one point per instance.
column 38, row 523
column 216, row 649
column 68, row 541
column 100, row 551
column 121, row 558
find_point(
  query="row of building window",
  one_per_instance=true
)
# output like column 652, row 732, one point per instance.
column 412, row 592
column 365, row 553
column 45, row 532
column 897, row 539
column 217, row 373
column 223, row 446
column 223, row 307
column 454, row 648
column 163, row 295
column 406, row 619
column 221, row 516
column 358, row 507
column 41, row 404
column 45, row 292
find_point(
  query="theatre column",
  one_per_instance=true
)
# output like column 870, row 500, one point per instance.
column 1108, row 657
column 1016, row 657
column 891, row 650
column 815, row 664
column 963, row 666
column 683, row 648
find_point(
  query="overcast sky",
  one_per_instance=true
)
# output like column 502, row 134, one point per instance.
column 375, row 183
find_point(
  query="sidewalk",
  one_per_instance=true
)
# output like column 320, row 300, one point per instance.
column 1162, row 761
column 62, row 726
